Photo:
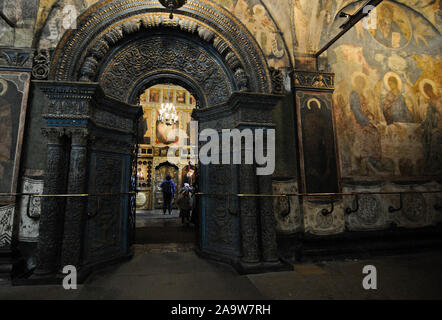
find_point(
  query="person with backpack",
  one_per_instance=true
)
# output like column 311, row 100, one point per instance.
column 168, row 189
column 184, row 202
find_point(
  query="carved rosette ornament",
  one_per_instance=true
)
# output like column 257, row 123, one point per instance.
column 277, row 81
column 370, row 210
column 42, row 64
column 415, row 207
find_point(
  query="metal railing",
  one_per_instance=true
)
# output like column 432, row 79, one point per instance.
column 329, row 198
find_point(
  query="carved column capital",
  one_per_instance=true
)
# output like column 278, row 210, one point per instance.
column 53, row 135
column 80, row 137
column 314, row 80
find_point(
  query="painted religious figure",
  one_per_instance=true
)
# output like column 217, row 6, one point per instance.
column 320, row 168
column 154, row 95
column 10, row 107
column 393, row 28
column 394, row 107
column 367, row 136
column 432, row 127
column 188, row 174
column 168, row 96
column 143, row 129
column 181, row 96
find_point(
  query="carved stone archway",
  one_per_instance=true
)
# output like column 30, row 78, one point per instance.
column 109, row 23
column 118, row 49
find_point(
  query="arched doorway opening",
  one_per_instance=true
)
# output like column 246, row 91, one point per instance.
column 165, row 126
column 119, row 50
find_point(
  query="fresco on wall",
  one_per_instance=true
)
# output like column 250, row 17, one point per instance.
column 54, row 18
column 22, row 13
column 387, row 100
column 311, row 21
column 254, row 15
column 13, row 99
column 430, row 9
column 314, row 25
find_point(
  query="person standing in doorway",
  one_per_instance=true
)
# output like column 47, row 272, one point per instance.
column 168, row 189
column 185, row 203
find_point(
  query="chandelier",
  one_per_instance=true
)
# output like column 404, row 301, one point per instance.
column 173, row 5
column 167, row 114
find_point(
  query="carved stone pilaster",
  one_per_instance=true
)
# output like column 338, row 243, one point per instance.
column 76, row 207
column 268, row 221
column 249, row 219
column 51, row 220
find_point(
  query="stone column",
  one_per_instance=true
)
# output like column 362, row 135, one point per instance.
column 268, row 221
column 51, row 220
column 249, row 216
column 76, row 206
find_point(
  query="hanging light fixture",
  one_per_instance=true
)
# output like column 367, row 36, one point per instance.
column 167, row 113
column 173, row 5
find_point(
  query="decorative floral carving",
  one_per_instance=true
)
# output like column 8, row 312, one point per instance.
column 317, row 80
column 415, row 207
column 369, row 209
column 277, row 81
column 324, row 221
column 241, row 80
column 42, row 62
column 6, row 218
column 89, row 69
column 138, row 59
column 112, row 20
column 16, row 57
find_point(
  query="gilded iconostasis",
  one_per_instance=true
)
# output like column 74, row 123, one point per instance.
column 167, row 110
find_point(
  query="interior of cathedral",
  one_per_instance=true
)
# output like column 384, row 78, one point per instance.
column 306, row 131
column 157, row 134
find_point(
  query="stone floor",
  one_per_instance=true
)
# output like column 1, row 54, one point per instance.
column 151, row 217
column 173, row 271
column 156, row 227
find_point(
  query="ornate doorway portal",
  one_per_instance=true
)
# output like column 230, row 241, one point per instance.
column 119, row 49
